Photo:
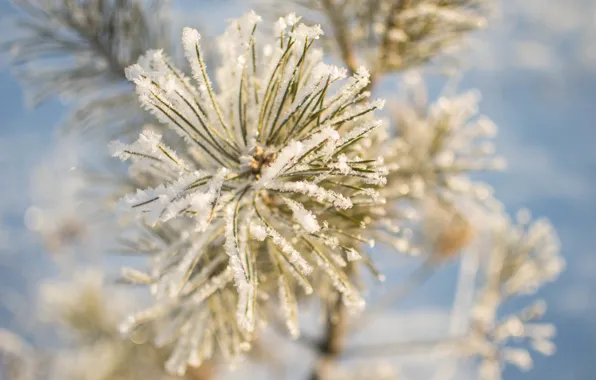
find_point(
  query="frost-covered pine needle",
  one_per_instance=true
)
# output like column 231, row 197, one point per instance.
column 266, row 172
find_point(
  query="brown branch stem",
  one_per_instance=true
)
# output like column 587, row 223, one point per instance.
column 333, row 342
column 404, row 348
column 341, row 34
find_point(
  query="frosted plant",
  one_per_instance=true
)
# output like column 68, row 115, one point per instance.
column 516, row 260
column 257, row 185
column 270, row 163
column 77, row 51
column 86, row 313
column 438, row 145
column 523, row 257
column 430, row 153
column 392, row 35
column 81, row 316
column 200, row 322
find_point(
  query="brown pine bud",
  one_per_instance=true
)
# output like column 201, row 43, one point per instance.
column 456, row 235
column 447, row 230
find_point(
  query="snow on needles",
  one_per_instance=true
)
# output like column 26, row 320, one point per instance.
column 266, row 151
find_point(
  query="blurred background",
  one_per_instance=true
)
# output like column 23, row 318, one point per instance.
column 536, row 69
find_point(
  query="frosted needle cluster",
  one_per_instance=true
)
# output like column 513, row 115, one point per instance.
column 525, row 256
column 267, row 163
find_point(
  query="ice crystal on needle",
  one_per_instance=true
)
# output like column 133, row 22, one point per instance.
column 267, row 168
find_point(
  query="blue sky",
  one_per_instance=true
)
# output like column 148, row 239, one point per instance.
column 547, row 133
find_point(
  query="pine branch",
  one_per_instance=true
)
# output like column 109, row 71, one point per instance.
column 332, row 345
column 78, row 50
column 391, row 23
